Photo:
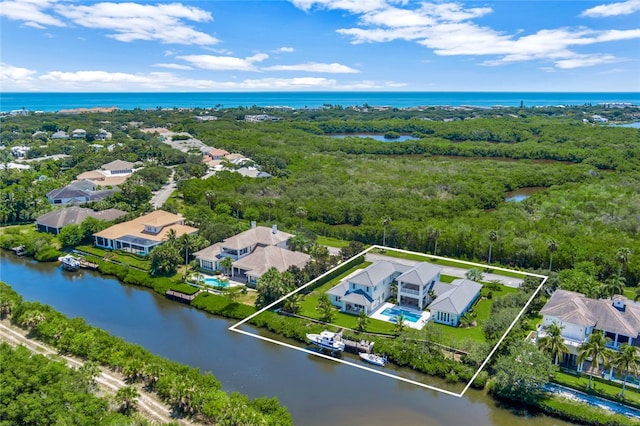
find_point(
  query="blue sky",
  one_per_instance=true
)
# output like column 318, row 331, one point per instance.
column 319, row 45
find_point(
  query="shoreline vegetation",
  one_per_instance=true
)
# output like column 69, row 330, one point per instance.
column 442, row 193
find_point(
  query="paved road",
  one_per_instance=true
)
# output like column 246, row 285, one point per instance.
column 152, row 407
column 162, row 195
column 451, row 270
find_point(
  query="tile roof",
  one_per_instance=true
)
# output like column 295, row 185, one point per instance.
column 264, row 258
column 260, row 235
column 135, row 227
column 117, row 165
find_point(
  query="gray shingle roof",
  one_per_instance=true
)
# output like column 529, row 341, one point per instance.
column 420, row 274
column 358, row 297
column 569, row 307
column 456, row 299
column 117, row 165
column 377, row 272
column 75, row 215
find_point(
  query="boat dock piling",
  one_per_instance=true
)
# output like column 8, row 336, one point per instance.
column 356, row 346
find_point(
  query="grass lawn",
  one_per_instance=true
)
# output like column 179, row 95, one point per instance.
column 442, row 262
column 606, row 390
column 331, row 242
column 118, row 256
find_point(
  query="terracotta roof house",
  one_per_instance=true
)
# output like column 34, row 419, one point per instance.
column 142, row 234
column 54, row 221
column 78, row 192
column 253, row 252
column 579, row 316
column 217, row 154
column 454, row 301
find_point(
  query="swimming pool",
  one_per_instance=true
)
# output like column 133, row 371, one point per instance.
column 214, row 282
column 409, row 316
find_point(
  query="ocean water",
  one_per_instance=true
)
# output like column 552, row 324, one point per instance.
column 50, row 102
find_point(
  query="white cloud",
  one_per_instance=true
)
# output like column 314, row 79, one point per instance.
column 9, row 73
column 31, row 12
column 333, row 68
column 174, row 66
column 132, row 21
column 225, row 63
column 169, row 52
column 613, row 9
column 448, row 29
column 285, row 49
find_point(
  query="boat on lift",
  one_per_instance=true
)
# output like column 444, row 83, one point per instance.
column 328, row 340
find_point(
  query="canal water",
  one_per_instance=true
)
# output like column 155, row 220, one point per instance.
column 317, row 392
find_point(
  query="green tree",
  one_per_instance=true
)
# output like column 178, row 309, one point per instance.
column 363, row 319
column 292, row 303
column 596, row 349
column 399, row 323
column 70, row 236
column 351, row 250
column 552, row 246
column 553, row 342
column 475, row 274
column 613, row 285
column 271, row 286
column 493, row 237
column 622, row 257
column 386, row 221
column 434, row 234
column 325, row 308
column 627, row 360
column 301, row 212
column 522, row 373
column 164, row 259
column 126, row 397
column 227, row 264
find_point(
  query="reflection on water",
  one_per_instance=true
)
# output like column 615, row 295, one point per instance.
column 522, row 194
column 317, row 392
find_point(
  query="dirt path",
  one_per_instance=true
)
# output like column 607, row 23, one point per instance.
column 148, row 405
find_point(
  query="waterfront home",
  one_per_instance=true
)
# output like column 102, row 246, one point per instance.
column 142, row 234
column 579, row 316
column 253, row 252
column 54, row 221
column 416, row 284
column 453, row 301
column 78, row 192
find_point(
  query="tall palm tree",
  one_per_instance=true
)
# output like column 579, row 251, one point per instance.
column 385, row 222
column 627, row 360
column 301, row 212
column 553, row 342
column 435, row 235
column 596, row 349
column 210, row 196
column 227, row 264
column 622, row 256
column 552, row 246
column 270, row 204
column 493, row 237
column 127, row 397
column 614, row 285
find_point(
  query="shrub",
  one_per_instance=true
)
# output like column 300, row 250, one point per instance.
column 480, row 382
column 47, row 254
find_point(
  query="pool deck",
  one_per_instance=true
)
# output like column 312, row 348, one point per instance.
column 231, row 281
column 424, row 316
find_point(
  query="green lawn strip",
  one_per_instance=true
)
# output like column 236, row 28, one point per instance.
column 442, row 262
column 184, row 288
column 581, row 413
column 604, row 389
column 331, row 242
column 118, row 256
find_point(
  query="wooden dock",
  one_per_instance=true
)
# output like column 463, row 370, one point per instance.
column 181, row 297
column 356, row 346
column 85, row 264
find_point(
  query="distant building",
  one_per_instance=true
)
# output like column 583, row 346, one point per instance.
column 20, row 151
column 60, row 135
column 78, row 192
column 79, row 134
column 54, row 221
column 19, row 112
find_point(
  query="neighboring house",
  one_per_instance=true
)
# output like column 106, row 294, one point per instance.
column 79, row 134
column 20, row 151
column 237, row 159
column 252, row 172
column 54, row 221
column 78, row 192
column 111, row 174
column 103, row 135
column 216, row 154
column 579, row 316
column 60, row 135
column 453, row 301
column 118, row 167
column 366, row 289
column 254, row 252
column 142, row 234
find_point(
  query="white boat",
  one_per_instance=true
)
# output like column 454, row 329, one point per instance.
column 327, row 340
column 374, row 359
column 69, row 262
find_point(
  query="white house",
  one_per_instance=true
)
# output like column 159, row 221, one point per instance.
column 253, row 253
column 79, row 134
column 578, row 317
column 416, row 284
column 19, row 151
column 453, row 301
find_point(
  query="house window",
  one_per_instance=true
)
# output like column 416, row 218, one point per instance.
column 338, row 298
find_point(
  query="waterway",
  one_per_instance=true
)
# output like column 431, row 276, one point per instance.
column 317, row 392
column 377, row 137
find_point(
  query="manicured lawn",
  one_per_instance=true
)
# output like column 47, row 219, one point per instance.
column 606, row 390
column 118, row 256
column 331, row 242
column 184, row 288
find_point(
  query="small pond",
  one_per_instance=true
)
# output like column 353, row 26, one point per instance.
column 377, row 137
column 521, row 194
column 635, row 125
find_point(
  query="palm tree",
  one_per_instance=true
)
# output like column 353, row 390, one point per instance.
column 614, row 285
column 362, row 320
column 493, row 237
column 292, row 303
column 627, row 360
column 553, row 342
column 474, row 274
column 171, row 237
column 227, row 264
column 399, row 323
column 596, row 349
column 301, row 212
column 385, row 222
column 552, row 246
column 270, row 204
column 31, row 319
column 126, row 398
column 435, row 235
column 210, row 196
column 622, row 256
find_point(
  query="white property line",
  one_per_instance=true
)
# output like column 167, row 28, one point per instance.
column 235, row 326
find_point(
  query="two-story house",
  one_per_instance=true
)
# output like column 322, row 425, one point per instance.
column 416, row 284
column 142, row 234
column 579, row 316
column 253, row 252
